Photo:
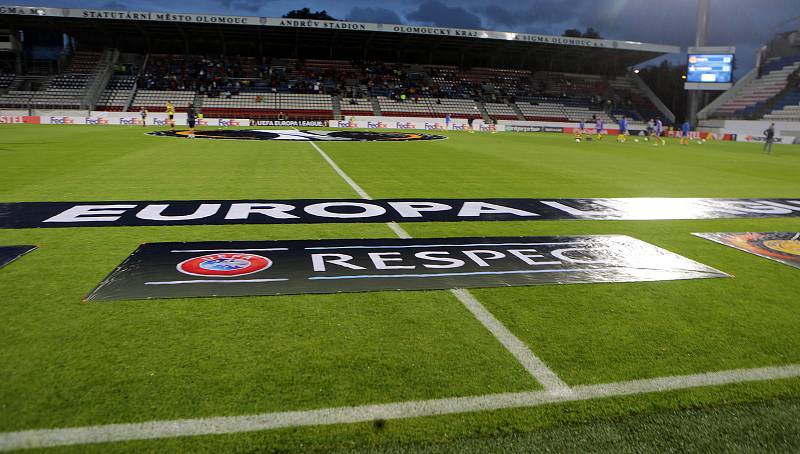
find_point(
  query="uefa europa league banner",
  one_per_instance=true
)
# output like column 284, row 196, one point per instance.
column 219, row 212
column 180, row 270
column 783, row 247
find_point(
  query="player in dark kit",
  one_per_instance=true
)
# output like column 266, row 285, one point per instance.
column 769, row 138
column 191, row 119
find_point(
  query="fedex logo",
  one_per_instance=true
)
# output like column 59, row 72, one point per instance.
column 461, row 127
column 228, row 123
column 130, row 121
column 160, row 122
column 347, row 124
column 61, row 121
column 433, row 126
column 96, row 121
column 377, row 125
column 406, row 126
column 487, row 128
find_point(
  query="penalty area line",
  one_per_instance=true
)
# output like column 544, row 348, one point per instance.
column 532, row 364
column 150, row 430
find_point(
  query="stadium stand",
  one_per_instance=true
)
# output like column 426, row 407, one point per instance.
column 752, row 97
column 500, row 111
column 117, row 93
column 61, row 91
column 269, row 105
column 155, row 100
column 6, row 80
column 787, row 108
column 228, row 86
column 356, row 106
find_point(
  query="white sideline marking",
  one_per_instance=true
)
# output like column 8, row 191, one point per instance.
column 535, row 366
column 341, row 173
column 399, row 231
column 342, row 415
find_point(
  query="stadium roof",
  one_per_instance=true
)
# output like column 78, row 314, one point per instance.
column 137, row 31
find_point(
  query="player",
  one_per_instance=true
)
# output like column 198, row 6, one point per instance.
column 447, row 121
column 191, row 119
column 143, row 113
column 170, row 115
column 769, row 138
column 658, row 130
column 469, row 125
column 579, row 131
column 598, row 126
column 623, row 130
column 685, row 127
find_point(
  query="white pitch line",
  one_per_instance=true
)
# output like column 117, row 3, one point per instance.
column 149, row 430
column 535, row 366
column 363, row 194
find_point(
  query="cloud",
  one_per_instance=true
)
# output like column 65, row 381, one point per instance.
column 250, row 6
column 114, row 5
column 369, row 14
column 436, row 13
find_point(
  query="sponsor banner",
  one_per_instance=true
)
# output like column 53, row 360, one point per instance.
column 786, row 132
column 61, row 120
column 177, row 270
column 97, row 121
column 221, row 122
column 220, row 212
column 533, row 128
column 290, row 123
column 10, row 253
column 300, row 135
column 781, row 247
column 11, row 119
column 301, row 25
column 421, row 123
column 16, row 119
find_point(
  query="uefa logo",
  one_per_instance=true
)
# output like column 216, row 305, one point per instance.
column 224, row 265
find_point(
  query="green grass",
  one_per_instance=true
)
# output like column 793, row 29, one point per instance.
column 68, row 363
column 755, row 427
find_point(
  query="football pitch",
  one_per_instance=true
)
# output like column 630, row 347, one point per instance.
column 710, row 364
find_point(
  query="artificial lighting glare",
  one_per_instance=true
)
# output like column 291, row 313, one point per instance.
column 636, row 71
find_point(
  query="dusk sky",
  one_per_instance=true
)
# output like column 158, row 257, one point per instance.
column 747, row 24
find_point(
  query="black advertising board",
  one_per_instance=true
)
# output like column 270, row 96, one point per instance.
column 10, row 253
column 177, row 270
column 783, row 247
column 219, row 212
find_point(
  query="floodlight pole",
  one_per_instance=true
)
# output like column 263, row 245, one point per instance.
column 699, row 41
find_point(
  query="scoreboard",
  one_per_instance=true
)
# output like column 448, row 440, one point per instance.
column 707, row 70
